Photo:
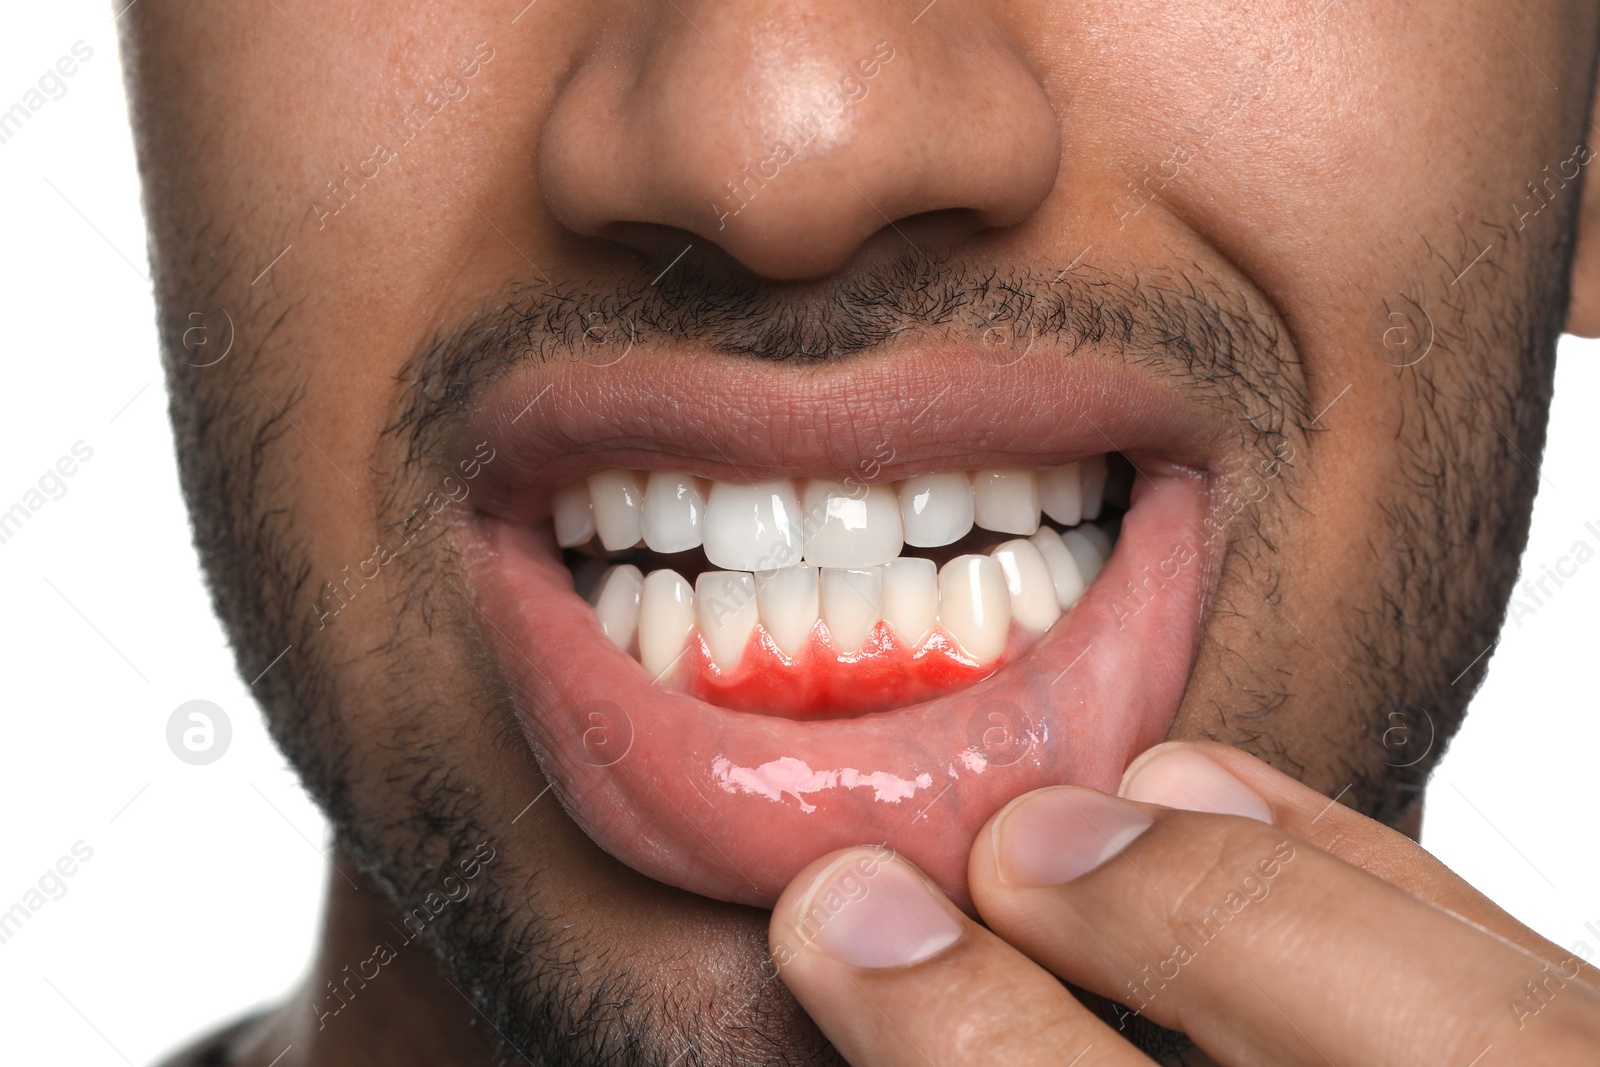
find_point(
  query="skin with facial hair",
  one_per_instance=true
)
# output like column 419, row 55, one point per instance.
column 1299, row 269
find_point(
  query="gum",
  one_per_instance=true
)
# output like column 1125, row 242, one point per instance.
column 823, row 683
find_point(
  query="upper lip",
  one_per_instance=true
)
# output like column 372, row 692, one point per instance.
column 877, row 418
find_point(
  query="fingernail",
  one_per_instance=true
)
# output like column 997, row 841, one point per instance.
column 1183, row 778
column 1055, row 835
column 870, row 909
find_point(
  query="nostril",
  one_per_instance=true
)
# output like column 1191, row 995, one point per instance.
column 789, row 158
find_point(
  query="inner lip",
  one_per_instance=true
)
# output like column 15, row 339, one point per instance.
column 729, row 804
column 841, row 633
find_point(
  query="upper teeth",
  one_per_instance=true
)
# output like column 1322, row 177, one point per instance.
column 753, row 527
column 936, row 509
column 776, row 524
column 674, row 511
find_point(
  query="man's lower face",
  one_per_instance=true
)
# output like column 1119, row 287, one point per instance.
column 1056, row 397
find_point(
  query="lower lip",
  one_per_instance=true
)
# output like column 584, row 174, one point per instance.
column 732, row 804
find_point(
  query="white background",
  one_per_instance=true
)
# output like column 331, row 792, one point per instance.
column 203, row 891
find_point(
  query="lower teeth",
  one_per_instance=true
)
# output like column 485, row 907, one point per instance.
column 967, row 606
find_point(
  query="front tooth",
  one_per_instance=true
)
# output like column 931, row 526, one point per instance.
column 911, row 597
column 1006, row 501
column 673, row 512
column 573, row 515
column 1061, row 494
column 852, row 604
column 975, row 605
column 936, row 509
column 616, row 603
column 1033, row 593
column 753, row 527
column 1064, row 573
column 617, row 499
column 851, row 527
column 725, row 610
column 1094, row 486
column 789, row 607
column 666, row 615
column 1085, row 553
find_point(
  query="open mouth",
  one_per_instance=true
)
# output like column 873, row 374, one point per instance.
column 815, row 598
column 749, row 614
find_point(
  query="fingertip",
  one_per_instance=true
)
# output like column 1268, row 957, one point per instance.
column 1053, row 835
column 864, row 907
column 1145, row 757
column 1184, row 775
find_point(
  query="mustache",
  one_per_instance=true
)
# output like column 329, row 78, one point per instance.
column 1214, row 337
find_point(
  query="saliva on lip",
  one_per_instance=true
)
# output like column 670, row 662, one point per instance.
column 805, row 601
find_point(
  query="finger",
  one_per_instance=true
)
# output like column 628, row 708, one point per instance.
column 894, row 974
column 1173, row 775
column 1260, row 947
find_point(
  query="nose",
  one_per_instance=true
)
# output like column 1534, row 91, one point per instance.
column 790, row 134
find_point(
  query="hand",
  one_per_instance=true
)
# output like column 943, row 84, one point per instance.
column 1279, row 928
